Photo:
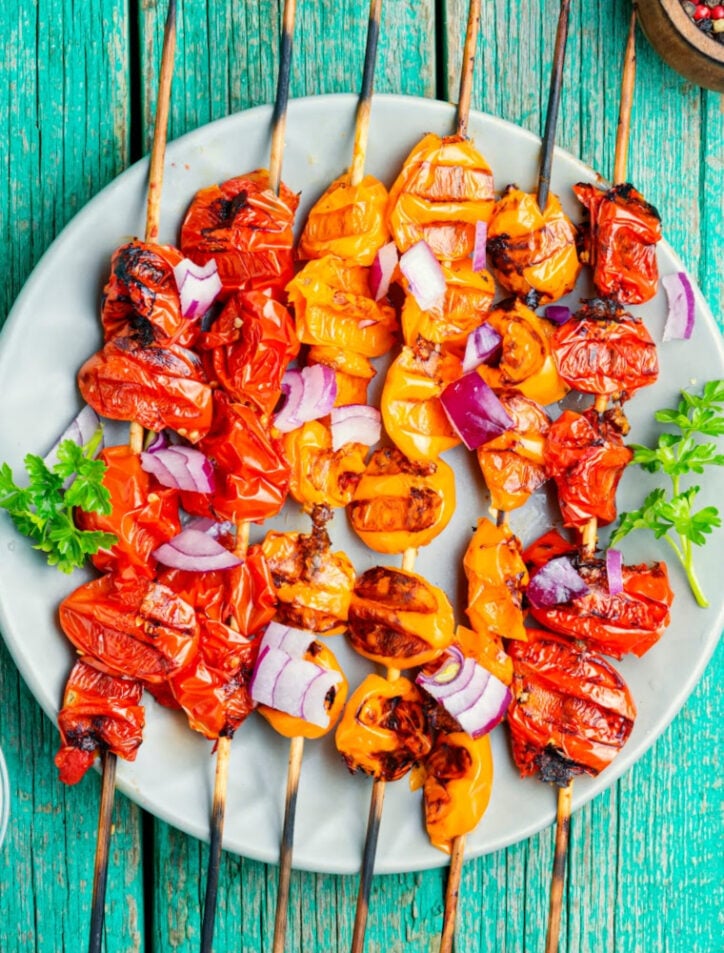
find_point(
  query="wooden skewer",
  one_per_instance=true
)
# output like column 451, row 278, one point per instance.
column 279, row 116
column 364, row 103
column 223, row 748
column 296, row 748
column 468, row 67
column 135, row 442
column 590, row 531
column 554, row 100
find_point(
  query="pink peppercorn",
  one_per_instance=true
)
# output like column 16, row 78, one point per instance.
column 701, row 12
column 717, row 13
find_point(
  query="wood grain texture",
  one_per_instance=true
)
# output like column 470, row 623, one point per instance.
column 64, row 112
column 645, row 866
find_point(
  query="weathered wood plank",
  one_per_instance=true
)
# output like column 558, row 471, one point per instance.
column 64, row 112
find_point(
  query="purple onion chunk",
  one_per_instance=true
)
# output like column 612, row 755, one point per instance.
column 555, row 583
column 474, row 410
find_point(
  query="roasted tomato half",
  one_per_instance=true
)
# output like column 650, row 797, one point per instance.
column 571, row 710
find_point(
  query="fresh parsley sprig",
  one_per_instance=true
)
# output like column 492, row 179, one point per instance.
column 44, row 509
column 677, row 454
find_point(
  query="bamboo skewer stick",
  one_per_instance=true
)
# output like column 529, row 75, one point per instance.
column 135, row 442
column 590, row 531
column 364, row 103
column 554, row 100
column 223, row 749
column 468, row 67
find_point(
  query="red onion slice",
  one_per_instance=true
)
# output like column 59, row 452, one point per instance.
column 382, row 270
column 424, row 274
column 197, row 286
column 558, row 313
column 181, row 468
column 80, row 430
column 680, row 319
column 555, row 583
column 473, row 696
column 195, row 551
column 481, row 346
column 355, row 423
column 474, row 410
column 310, row 394
column 294, row 642
column 481, row 240
column 293, row 685
column 614, row 571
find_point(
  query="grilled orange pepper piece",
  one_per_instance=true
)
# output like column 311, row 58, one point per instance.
column 319, row 474
column 496, row 576
column 487, row 649
column 384, row 729
column 468, row 297
column 457, row 779
column 411, row 410
column 399, row 504
column 347, row 221
column 512, row 464
column 526, row 362
column 533, row 252
column 333, row 305
column 352, row 371
column 399, row 619
column 313, row 584
column 444, row 188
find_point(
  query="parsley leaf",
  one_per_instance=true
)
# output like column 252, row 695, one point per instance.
column 677, row 454
column 43, row 510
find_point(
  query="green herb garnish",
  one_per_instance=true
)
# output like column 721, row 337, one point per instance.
column 44, row 510
column 677, row 454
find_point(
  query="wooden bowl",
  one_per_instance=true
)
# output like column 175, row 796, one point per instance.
column 681, row 43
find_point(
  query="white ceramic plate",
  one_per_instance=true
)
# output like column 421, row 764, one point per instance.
column 54, row 327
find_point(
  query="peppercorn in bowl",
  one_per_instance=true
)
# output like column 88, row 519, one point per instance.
column 689, row 36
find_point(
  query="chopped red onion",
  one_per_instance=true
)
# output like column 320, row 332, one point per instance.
column 383, row 268
column 310, row 394
column 424, row 274
column 181, row 468
column 680, row 320
column 294, row 642
column 556, row 582
column 558, row 313
column 195, row 551
column 80, row 430
column 355, row 423
column 159, row 442
column 481, row 240
column 614, row 571
column 474, row 697
column 293, row 685
column 198, row 286
column 474, row 410
column 481, row 346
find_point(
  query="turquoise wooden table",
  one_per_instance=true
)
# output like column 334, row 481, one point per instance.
column 79, row 83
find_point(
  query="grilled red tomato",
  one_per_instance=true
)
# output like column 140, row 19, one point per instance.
column 614, row 624
column 571, row 710
column 130, row 627
column 144, row 514
column 384, row 728
column 586, row 456
column 251, row 473
column 141, row 298
column 99, row 712
column 248, row 230
column 157, row 387
column 248, row 348
column 620, row 239
column 604, row 350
